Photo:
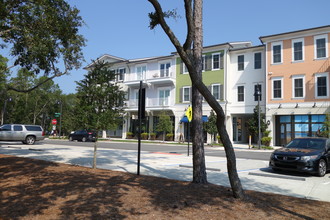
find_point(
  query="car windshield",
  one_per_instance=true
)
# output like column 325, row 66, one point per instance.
column 307, row 144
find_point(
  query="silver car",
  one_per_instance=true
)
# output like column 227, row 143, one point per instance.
column 28, row 134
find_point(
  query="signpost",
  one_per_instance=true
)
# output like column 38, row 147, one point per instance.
column 189, row 117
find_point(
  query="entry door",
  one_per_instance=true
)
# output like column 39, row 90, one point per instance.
column 286, row 133
column 237, row 129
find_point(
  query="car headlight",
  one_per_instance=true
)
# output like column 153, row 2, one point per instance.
column 306, row 158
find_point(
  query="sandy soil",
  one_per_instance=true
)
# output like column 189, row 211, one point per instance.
column 35, row 189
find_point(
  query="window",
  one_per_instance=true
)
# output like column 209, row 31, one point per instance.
column 216, row 61
column 18, row 128
column 277, row 53
column 216, row 91
column 298, row 86
column 298, row 54
column 186, row 94
column 164, row 95
column 321, row 46
column 240, row 93
column 165, row 69
column 257, row 61
column 321, row 85
column 140, row 72
column 6, row 128
column 240, row 62
column 257, row 88
column 277, row 88
column 121, row 74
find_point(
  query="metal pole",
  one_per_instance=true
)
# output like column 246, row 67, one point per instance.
column 259, row 129
column 140, row 125
column 60, row 120
column 188, row 134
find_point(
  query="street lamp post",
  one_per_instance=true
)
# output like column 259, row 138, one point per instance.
column 258, row 95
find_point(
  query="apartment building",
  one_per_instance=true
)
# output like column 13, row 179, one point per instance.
column 297, row 82
column 245, row 76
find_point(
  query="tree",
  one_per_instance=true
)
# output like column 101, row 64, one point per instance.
column 100, row 100
column 41, row 35
column 211, row 126
column 252, row 123
column 191, row 54
column 165, row 124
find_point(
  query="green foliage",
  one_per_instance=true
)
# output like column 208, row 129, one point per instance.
column 152, row 136
column 154, row 18
column 100, row 99
column 325, row 130
column 169, row 137
column 165, row 124
column 266, row 141
column 129, row 135
column 211, row 126
column 252, row 123
column 41, row 34
column 144, row 136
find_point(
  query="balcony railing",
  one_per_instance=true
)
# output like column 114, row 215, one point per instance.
column 151, row 102
column 149, row 77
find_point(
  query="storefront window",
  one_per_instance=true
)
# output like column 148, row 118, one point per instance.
column 318, row 118
column 301, row 130
column 301, row 118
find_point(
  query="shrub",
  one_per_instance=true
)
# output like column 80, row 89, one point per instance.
column 169, row 137
column 144, row 136
column 266, row 141
column 152, row 136
column 129, row 135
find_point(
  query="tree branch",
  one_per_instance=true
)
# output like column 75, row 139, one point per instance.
column 182, row 52
column 190, row 25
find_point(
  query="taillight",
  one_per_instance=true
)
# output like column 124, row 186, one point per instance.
column 90, row 133
column 43, row 133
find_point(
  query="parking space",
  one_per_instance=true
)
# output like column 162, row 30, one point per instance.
column 254, row 174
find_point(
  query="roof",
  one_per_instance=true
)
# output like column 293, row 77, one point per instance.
column 262, row 38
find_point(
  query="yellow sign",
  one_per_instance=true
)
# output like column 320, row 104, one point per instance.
column 189, row 113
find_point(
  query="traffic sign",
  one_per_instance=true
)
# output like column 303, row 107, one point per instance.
column 189, row 113
column 54, row 122
column 57, row 115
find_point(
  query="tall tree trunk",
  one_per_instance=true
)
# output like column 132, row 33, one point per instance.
column 199, row 168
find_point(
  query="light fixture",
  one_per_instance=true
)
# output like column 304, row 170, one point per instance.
column 314, row 105
column 297, row 105
column 280, row 106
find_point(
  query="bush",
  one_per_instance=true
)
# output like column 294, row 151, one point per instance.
column 152, row 136
column 169, row 137
column 219, row 140
column 144, row 136
column 266, row 141
column 129, row 135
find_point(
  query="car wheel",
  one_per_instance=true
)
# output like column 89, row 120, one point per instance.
column 70, row 139
column 84, row 139
column 322, row 168
column 30, row 140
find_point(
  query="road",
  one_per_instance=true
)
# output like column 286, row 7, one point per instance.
column 166, row 148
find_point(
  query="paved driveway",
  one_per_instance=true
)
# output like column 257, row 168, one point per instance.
column 254, row 174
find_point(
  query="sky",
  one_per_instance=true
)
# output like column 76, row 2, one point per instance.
column 121, row 27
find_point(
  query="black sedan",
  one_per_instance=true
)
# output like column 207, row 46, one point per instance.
column 310, row 155
column 83, row 135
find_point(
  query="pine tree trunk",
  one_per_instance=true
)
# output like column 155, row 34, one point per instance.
column 199, row 168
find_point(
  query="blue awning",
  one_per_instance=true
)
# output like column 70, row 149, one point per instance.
column 185, row 119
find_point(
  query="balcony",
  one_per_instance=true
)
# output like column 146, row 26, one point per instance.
column 133, row 80
column 151, row 104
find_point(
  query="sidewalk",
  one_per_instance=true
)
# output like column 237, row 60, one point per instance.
column 254, row 174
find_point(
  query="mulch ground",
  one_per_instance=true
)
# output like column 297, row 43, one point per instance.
column 36, row 189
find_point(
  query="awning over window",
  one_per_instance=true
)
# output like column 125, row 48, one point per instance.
column 185, row 119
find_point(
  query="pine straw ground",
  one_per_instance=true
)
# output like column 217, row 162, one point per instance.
column 35, row 189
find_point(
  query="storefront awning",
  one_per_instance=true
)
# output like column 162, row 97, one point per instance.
column 185, row 119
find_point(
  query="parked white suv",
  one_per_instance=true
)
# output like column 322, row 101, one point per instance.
column 28, row 134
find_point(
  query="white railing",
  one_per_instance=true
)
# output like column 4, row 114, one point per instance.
column 149, row 76
column 151, row 102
